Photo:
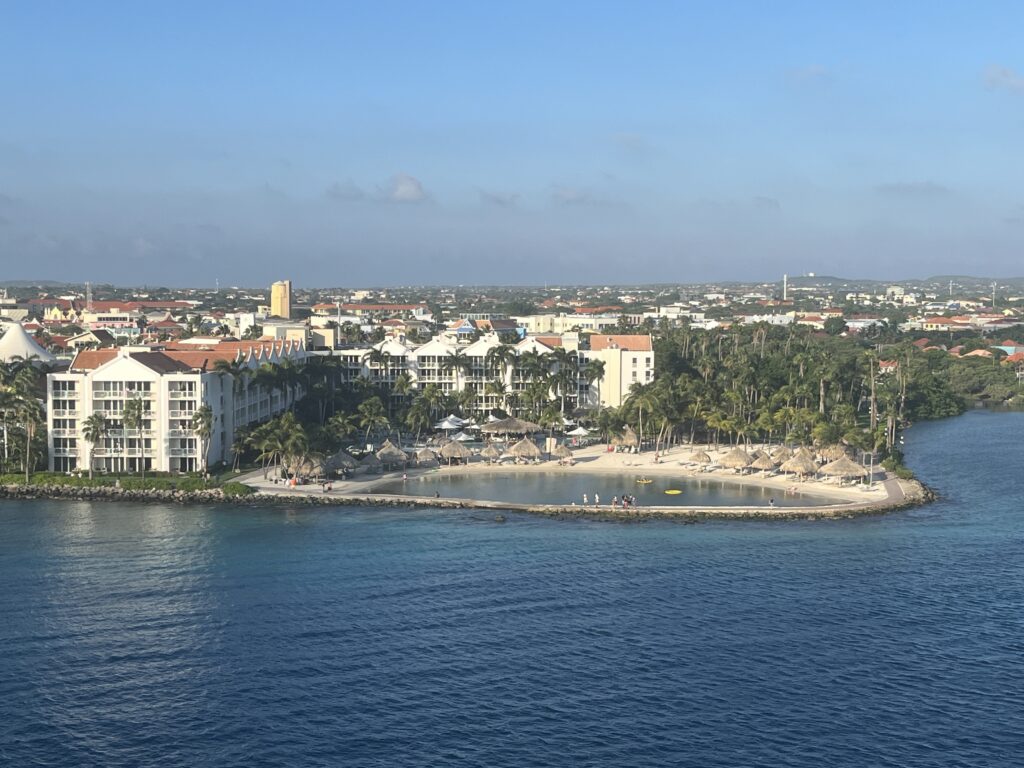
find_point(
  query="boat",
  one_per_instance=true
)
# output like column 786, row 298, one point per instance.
column 644, row 480
column 673, row 492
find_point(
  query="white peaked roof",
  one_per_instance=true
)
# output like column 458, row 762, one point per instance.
column 579, row 432
column 16, row 343
column 449, row 423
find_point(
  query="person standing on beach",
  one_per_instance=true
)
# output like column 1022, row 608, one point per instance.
column 597, row 500
column 585, row 499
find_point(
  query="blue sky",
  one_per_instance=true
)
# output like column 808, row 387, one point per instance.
column 394, row 143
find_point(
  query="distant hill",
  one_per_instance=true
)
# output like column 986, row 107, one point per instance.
column 33, row 284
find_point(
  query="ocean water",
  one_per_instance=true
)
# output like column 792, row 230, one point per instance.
column 192, row 636
column 569, row 488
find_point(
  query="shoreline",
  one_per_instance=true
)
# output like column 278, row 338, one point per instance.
column 888, row 494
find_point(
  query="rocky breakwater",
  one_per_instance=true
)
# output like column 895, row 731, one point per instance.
column 74, row 493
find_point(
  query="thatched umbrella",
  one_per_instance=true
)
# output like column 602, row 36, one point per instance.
column 763, row 462
column 425, row 456
column 563, row 452
column 454, row 450
column 371, row 462
column 781, row 454
column 737, row 458
column 833, row 452
column 628, row 437
column 804, row 453
column 340, row 460
column 491, row 453
column 799, row 465
column 510, row 426
column 391, row 454
column 699, row 457
column 758, row 454
column 524, row 449
column 844, row 467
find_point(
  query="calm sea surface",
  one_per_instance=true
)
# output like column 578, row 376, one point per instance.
column 170, row 636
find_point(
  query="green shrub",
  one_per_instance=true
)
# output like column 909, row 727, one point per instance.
column 233, row 489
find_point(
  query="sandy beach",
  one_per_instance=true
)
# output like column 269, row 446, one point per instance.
column 885, row 492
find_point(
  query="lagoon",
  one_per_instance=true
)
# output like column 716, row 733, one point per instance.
column 556, row 487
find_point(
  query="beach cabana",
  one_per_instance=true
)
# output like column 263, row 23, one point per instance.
column 340, row 461
column 491, row 453
column 781, row 454
column 562, row 452
column 844, row 467
column 425, row 456
column 699, row 457
column 628, row 438
column 803, row 453
column 391, row 455
column 763, row 462
column 737, row 458
column 371, row 463
column 524, row 449
column 454, row 450
column 799, row 465
column 510, row 426
column 833, row 452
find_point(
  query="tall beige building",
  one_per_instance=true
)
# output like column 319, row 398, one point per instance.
column 281, row 299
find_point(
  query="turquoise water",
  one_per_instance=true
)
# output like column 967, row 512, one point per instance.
column 196, row 636
column 569, row 487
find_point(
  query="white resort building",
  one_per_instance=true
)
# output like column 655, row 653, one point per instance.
column 499, row 379
column 173, row 383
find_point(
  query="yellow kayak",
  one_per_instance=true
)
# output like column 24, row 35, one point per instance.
column 644, row 480
column 673, row 491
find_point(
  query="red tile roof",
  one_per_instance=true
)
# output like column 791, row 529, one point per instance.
column 629, row 342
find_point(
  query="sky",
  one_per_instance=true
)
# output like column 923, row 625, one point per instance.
column 387, row 143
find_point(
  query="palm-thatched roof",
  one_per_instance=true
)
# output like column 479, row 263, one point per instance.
column 758, row 454
column 370, row 460
column 737, row 458
column 525, row 449
column 803, row 452
column 844, row 467
column 800, row 465
column 763, row 462
column 390, row 453
column 491, row 452
column 781, row 454
column 510, row 426
column 833, row 452
column 455, row 450
column 699, row 457
column 425, row 455
column 563, row 452
column 340, row 460
column 628, row 437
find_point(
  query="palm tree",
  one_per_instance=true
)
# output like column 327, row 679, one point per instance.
column 202, row 426
column 419, row 417
column 498, row 360
column 372, row 416
column 459, row 362
column 94, row 429
column 593, row 371
column 642, row 397
column 134, row 411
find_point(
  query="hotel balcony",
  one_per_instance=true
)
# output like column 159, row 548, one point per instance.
column 65, row 451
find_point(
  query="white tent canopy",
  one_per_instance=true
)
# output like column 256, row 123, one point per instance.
column 449, row 423
column 462, row 437
column 579, row 432
column 16, row 343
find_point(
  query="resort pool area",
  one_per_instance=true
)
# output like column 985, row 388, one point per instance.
column 569, row 487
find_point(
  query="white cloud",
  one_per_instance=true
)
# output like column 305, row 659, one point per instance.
column 404, row 188
column 1003, row 78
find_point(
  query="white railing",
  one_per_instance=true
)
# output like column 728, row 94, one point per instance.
column 65, row 451
column 64, row 432
column 64, row 412
column 64, row 395
column 179, row 433
column 180, row 414
column 181, row 452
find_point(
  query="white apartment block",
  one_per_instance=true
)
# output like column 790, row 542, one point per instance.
column 628, row 359
column 173, row 384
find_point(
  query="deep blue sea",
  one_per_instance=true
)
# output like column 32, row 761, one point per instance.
column 193, row 636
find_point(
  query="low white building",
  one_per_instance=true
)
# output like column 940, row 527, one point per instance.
column 173, row 384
